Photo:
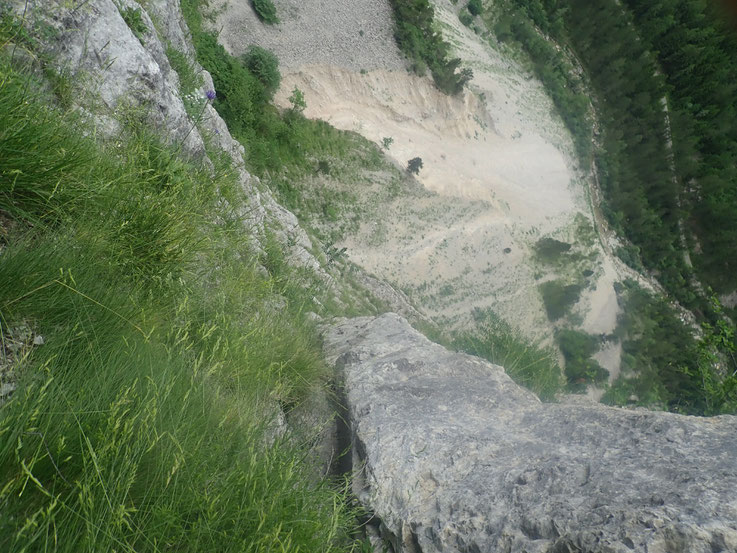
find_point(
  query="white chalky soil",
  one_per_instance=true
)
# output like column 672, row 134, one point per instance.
column 497, row 158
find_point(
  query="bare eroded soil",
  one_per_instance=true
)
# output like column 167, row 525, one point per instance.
column 498, row 164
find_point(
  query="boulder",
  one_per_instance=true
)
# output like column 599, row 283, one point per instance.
column 450, row 455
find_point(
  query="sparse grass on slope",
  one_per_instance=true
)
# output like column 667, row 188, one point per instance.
column 529, row 365
column 145, row 421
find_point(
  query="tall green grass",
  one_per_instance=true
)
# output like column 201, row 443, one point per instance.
column 528, row 364
column 147, row 419
column 44, row 164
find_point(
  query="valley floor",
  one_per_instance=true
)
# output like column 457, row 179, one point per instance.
column 498, row 165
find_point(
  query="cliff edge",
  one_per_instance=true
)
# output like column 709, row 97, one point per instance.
column 452, row 456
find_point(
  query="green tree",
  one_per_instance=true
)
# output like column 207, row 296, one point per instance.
column 266, row 11
column 265, row 66
column 414, row 165
column 297, row 100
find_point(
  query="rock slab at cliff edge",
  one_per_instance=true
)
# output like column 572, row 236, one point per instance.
column 452, row 456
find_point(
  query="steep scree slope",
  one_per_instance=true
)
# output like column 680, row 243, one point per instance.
column 497, row 160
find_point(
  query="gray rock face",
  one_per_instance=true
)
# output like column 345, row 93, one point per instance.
column 452, row 456
column 94, row 46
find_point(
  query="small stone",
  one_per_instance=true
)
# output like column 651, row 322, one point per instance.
column 38, row 340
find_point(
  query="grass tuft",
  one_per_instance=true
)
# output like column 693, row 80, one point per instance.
column 529, row 365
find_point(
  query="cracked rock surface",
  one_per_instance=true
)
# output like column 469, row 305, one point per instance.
column 452, row 456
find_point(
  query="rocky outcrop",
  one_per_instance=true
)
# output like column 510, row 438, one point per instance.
column 452, row 456
column 111, row 68
column 115, row 69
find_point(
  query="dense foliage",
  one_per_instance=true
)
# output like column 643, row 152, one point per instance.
column 697, row 53
column 581, row 369
column 425, row 47
column 266, row 11
column 692, row 377
column 474, row 7
column 265, row 66
column 414, row 165
column 558, row 297
column 147, row 354
column 664, row 76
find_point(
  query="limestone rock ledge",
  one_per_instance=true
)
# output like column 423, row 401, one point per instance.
column 452, row 456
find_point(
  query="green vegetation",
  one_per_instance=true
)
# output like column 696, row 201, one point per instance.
column 529, row 365
column 696, row 51
column 577, row 348
column 265, row 66
column 281, row 148
column 466, row 18
column 717, row 366
column 663, row 75
column 424, row 45
column 548, row 250
column 575, row 260
column 558, row 297
column 145, row 414
column 266, row 11
column 691, row 378
column 474, row 7
column 414, row 165
column 630, row 254
column 662, row 78
column 134, row 20
column 634, row 167
column 189, row 80
column 297, row 101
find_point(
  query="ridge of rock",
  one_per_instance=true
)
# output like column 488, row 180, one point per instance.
column 452, row 456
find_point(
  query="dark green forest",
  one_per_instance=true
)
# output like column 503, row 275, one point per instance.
column 663, row 76
column 659, row 78
column 697, row 52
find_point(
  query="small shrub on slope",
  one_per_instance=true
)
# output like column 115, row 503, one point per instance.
column 474, row 7
column 577, row 348
column 265, row 66
column 266, row 10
